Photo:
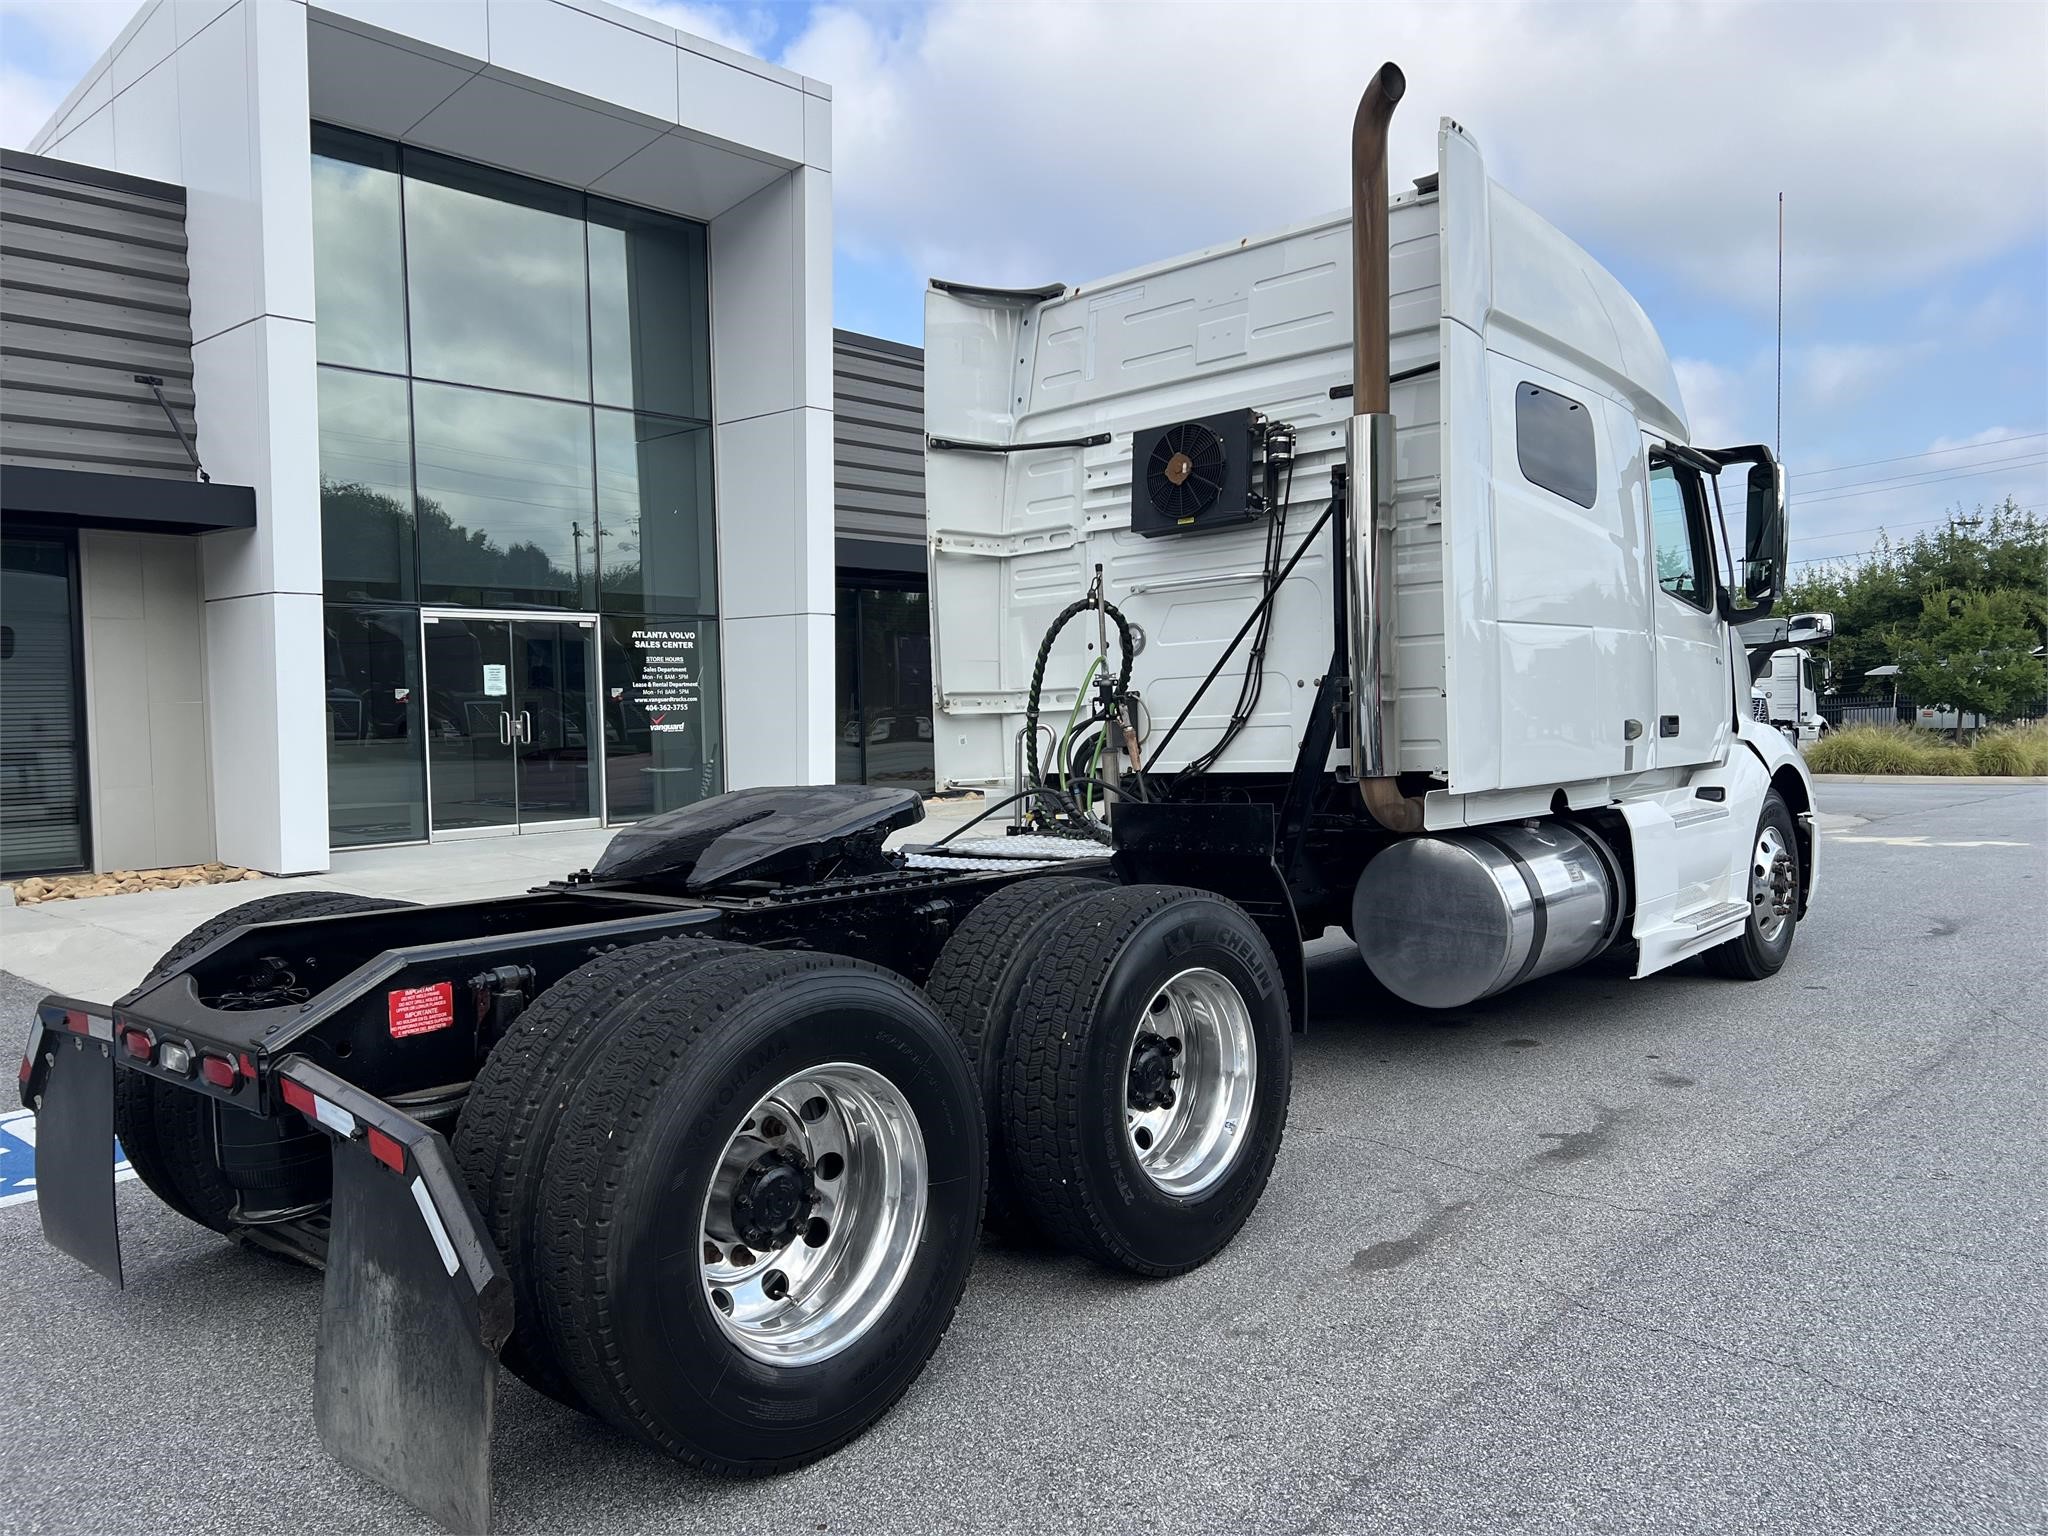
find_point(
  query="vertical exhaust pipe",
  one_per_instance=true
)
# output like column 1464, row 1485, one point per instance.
column 1370, row 457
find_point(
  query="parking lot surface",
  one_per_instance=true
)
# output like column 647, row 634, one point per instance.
column 1596, row 1255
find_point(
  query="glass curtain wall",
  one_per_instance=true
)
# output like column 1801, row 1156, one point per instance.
column 884, row 703
column 515, row 402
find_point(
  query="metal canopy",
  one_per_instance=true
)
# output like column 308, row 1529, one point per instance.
column 142, row 503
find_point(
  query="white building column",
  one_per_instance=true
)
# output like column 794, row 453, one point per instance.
column 771, row 323
column 214, row 96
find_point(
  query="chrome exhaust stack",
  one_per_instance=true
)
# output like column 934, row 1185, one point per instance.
column 1370, row 458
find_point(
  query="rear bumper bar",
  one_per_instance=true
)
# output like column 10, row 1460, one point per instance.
column 416, row 1302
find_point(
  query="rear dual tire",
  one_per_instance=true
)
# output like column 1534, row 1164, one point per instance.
column 644, row 1141
column 1141, row 1049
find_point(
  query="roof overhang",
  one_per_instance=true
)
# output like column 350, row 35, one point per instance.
column 139, row 503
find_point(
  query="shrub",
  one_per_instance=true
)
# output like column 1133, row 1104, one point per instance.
column 1902, row 749
column 2020, row 750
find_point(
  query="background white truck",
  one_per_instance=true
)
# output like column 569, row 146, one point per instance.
column 1788, row 678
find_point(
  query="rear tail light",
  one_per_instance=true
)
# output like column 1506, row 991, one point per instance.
column 136, row 1043
column 174, row 1057
column 220, row 1072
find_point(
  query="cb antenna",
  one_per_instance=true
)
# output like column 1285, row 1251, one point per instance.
column 1778, row 446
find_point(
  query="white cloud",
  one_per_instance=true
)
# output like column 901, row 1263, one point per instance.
column 45, row 48
column 746, row 28
column 1719, row 403
column 1025, row 143
column 1974, row 440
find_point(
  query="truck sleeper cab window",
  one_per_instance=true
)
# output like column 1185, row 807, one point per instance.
column 1554, row 444
column 1678, row 532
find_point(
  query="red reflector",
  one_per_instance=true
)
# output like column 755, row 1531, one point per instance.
column 387, row 1151
column 75, row 1022
column 28, row 1065
column 220, row 1072
column 136, row 1043
column 297, row 1095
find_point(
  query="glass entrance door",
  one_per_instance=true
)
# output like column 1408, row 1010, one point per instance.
column 511, row 719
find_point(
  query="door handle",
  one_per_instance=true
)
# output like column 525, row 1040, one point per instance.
column 526, row 728
column 504, row 728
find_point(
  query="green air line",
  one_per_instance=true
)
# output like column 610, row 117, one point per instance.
column 1073, row 718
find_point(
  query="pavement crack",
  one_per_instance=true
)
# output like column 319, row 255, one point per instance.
column 1709, row 1213
column 1578, row 1303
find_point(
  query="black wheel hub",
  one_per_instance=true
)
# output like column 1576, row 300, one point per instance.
column 773, row 1200
column 1152, row 1072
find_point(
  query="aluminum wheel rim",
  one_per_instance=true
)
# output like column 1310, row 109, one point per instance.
column 852, row 1140
column 1770, row 884
column 1199, row 1020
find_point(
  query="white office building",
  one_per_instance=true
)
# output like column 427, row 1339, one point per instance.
column 501, row 331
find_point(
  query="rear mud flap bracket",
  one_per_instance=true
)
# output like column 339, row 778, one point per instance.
column 416, row 1307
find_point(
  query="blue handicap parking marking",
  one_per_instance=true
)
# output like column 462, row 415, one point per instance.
column 18, row 1157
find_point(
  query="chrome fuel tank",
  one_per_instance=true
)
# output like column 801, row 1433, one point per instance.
column 1448, row 919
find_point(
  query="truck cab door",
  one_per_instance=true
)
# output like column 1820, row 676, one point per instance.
column 1692, row 723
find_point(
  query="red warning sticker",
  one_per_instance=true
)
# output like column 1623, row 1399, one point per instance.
column 422, row 1010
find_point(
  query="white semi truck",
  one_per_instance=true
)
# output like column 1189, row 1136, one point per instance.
column 1432, row 596
column 1789, row 678
column 690, row 1140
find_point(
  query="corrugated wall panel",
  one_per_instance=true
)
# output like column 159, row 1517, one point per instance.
column 878, row 439
column 93, row 291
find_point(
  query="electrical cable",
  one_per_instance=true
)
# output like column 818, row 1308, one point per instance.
column 1042, row 790
column 1279, row 442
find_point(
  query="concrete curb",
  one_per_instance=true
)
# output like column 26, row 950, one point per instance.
column 1928, row 778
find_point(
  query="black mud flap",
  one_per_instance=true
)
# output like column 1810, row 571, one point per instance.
column 68, row 1080
column 416, row 1307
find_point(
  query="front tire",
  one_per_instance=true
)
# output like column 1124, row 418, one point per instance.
column 1146, row 1080
column 700, row 1287
column 1773, row 889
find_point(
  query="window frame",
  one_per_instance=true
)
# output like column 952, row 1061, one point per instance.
column 1699, row 539
column 1527, row 391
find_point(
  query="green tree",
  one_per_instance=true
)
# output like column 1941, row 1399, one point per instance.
column 1972, row 652
column 1879, row 601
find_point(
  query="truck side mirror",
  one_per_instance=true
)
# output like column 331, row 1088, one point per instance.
column 1764, row 542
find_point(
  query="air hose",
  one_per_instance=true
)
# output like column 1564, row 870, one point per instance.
column 1123, row 674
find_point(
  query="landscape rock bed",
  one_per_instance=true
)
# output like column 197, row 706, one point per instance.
column 123, row 882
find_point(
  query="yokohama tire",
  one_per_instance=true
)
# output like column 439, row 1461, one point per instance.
column 975, row 986
column 168, row 1133
column 1756, row 955
column 626, row 1200
column 1070, row 1073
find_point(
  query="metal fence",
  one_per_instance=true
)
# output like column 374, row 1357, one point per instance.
column 1863, row 709
column 1840, row 709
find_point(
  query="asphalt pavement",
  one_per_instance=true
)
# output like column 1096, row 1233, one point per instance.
column 1595, row 1256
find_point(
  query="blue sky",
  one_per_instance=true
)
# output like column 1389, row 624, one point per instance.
column 1019, row 143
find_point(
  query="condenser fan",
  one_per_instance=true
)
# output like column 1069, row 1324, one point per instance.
column 1186, row 471
column 1194, row 475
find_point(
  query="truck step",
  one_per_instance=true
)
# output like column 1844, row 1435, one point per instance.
column 1715, row 917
